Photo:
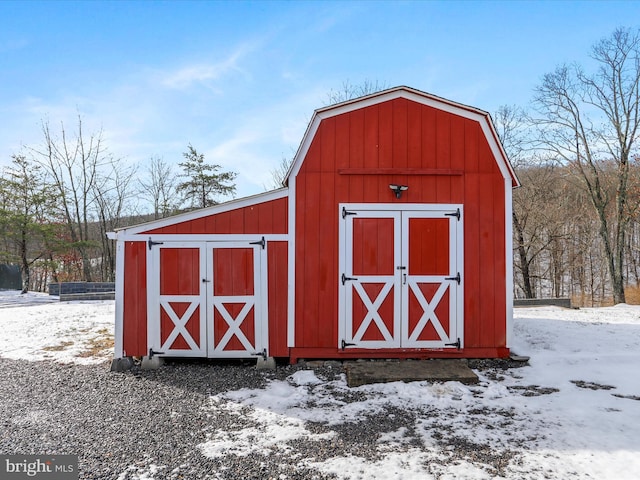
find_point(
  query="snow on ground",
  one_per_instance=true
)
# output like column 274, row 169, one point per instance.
column 36, row 326
column 574, row 412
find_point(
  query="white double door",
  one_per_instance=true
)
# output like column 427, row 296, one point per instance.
column 205, row 299
column 401, row 276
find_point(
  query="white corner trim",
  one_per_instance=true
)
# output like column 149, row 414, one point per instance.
column 118, row 331
column 291, row 266
column 508, row 246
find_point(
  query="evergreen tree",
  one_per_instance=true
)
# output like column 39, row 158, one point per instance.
column 26, row 206
column 203, row 184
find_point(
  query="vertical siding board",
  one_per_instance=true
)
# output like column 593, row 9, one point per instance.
column 356, row 141
column 472, row 241
column 355, row 158
column 277, row 268
column 327, row 262
column 414, row 135
column 458, row 143
column 428, row 150
column 443, row 139
column 370, row 188
column 472, row 317
column 312, row 160
column 399, row 133
column 199, row 225
column 500, row 318
column 328, row 145
column 343, row 137
column 223, row 223
column 454, row 161
column 429, row 189
column 310, row 248
column 371, row 138
column 487, row 271
column 385, row 135
column 472, row 140
column 372, row 152
column 251, row 220
column 265, row 218
column 281, row 225
column 135, row 300
column 486, row 160
column 210, row 223
column 300, row 258
column 443, row 189
column 428, row 137
column 236, row 221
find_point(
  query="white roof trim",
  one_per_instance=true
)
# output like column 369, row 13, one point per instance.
column 471, row 113
column 203, row 212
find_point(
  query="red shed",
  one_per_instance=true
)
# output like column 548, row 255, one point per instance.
column 392, row 238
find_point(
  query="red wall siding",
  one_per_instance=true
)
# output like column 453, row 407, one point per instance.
column 135, row 299
column 277, row 261
column 402, row 135
column 262, row 218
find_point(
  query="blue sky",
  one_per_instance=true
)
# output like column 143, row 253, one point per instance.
column 240, row 80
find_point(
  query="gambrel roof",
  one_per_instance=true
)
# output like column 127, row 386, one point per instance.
column 411, row 94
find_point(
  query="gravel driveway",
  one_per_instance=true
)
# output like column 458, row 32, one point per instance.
column 121, row 423
column 148, row 424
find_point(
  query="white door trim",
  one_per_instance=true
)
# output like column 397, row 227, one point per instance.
column 208, row 304
column 216, row 303
column 156, row 303
column 456, row 248
column 402, row 338
column 355, row 286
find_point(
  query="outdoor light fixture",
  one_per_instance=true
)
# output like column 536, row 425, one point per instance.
column 398, row 189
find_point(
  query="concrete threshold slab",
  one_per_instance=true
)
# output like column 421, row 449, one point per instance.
column 435, row 370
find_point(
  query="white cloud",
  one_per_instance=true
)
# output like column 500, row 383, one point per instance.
column 204, row 73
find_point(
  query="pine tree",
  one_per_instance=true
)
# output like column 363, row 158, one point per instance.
column 26, row 206
column 203, row 184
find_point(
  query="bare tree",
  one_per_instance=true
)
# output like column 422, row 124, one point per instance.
column 538, row 220
column 586, row 120
column 72, row 163
column 279, row 174
column 160, row 187
column 349, row 91
column 112, row 192
column 510, row 122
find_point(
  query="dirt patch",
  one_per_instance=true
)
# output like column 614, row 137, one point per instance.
column 97, row 346
column 57, row 348
column 533, row 390
column 629, row 397
column 592, row 385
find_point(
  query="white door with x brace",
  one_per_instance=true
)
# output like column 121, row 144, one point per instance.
column 205, row 300
column 400, row 276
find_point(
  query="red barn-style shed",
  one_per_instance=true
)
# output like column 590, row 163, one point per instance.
column 391, row 238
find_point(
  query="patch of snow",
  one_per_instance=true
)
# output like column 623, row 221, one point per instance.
column 572, row 413
column 552, row 419
column 34, row 328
